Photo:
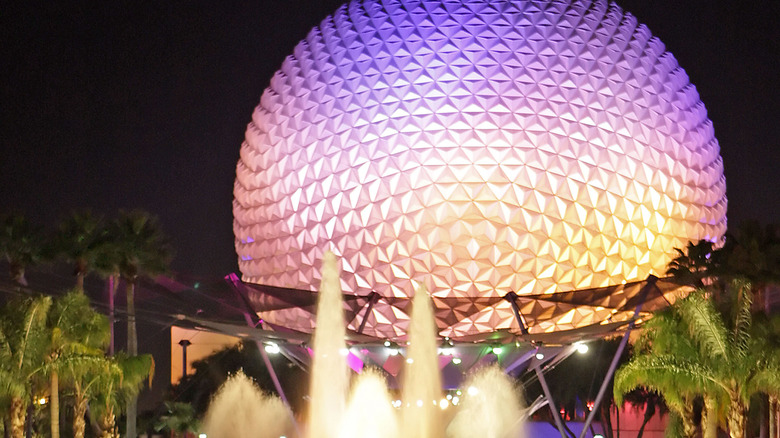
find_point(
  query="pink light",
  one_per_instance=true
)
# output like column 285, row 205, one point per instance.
column 355, row 363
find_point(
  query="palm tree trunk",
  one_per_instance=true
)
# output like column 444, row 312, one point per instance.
column 54, row 405
column 79, row 411
column 28, row 422
column 689, row 427
column 80, row 281
column 709, row 419
column 737, row 418
column 774, row 417
column 113, row 285
column 108, row 425
column 18, row 412
column 649, row 412
column 132, row 350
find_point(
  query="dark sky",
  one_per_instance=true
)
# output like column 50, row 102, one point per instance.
column 143, row 104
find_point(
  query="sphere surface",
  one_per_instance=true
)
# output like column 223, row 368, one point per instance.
column 477, row 146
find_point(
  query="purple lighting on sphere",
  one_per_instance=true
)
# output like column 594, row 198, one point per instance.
column 480, row 147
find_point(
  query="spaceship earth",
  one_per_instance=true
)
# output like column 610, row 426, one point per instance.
column 479, row 147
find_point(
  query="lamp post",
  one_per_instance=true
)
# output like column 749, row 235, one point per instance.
column 184, row 344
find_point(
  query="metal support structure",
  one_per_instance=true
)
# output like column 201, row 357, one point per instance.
column 512, row 298
column 373, row 297
column 612, row 366
column 550, row 402
column 253, row 321
column 528, row 355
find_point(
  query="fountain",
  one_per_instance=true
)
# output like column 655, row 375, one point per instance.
column 491, row 406
column 241, row 410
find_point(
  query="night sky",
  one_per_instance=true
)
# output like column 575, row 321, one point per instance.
column 111, row 105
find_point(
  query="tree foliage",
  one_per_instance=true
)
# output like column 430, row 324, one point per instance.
column 693, row 350
column 21, row 244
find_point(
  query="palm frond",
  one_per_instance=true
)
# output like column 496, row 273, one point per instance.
column 32, row 332
column 666, row 334
column 744, row 317
column 674, row 428
column 705, row 326
column 74, row 316
column 666, row 374
column 135, row 369
column 766, row 380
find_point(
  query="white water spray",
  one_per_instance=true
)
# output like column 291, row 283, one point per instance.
column 370, row 413
column 329, row 375
column 421, row 387
column 241, row 410
column 492, row 409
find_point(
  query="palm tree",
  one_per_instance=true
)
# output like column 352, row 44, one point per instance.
column 116, row 385
column 78, row 336
column 179, row 418
column 662, row 344
column 79, row 240
column 142, row 250
column 21, row 244
column 83, row 376
column 695, row 266
column 23, row 341
column 723, row 357
column 107, row 266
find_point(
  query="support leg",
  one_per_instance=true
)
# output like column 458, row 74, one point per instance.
column 550, row 402
column 613, row 365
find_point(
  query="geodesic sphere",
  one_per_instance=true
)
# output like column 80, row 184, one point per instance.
column 480, row 147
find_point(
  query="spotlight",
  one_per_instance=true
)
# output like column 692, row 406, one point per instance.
column 272, row 348
column 456, row 360
column 497, row 350
column 539, row 356
column 446, row 348
column 581, row 347
column 392, row 348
